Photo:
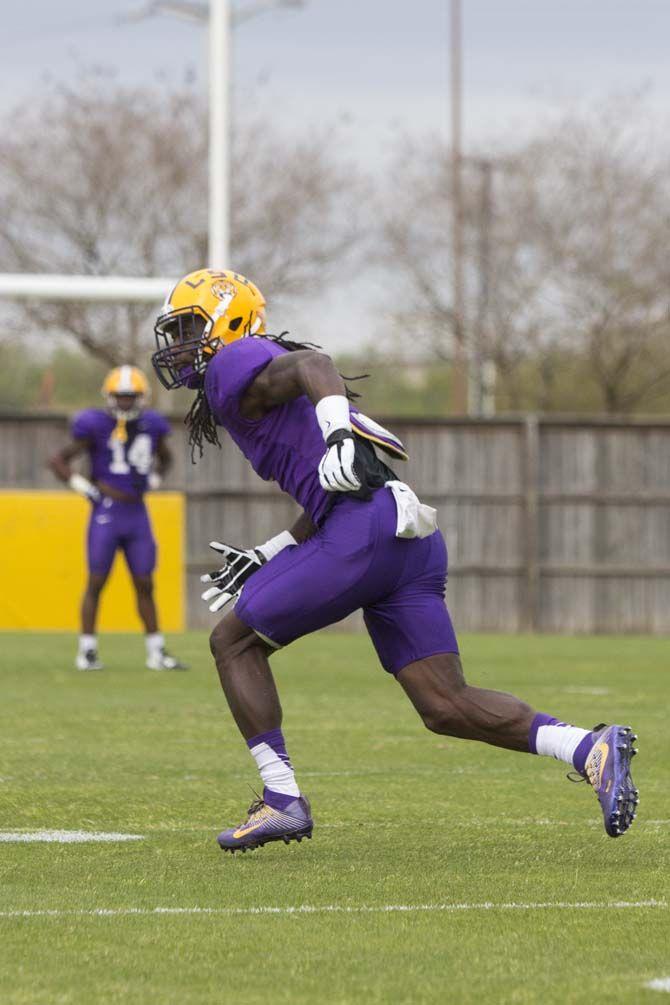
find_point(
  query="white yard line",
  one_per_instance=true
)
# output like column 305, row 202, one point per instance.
column 24, row 835
column 586, row 690
column 65, row 837
column 660, row 984
column 116, row 912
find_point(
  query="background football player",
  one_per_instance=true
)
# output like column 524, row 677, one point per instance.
column 128, row 454
column 363, row 541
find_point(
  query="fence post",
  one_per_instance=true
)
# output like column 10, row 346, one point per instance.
column 531, row 592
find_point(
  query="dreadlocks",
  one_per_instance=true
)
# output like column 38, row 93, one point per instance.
column 201, row 425
column 199, row 419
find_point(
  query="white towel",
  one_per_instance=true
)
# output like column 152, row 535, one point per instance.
column 415, row 519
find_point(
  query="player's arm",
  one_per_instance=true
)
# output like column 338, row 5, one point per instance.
column 60, row 464
column 164, row 458
column 162, row 464
column 287, row 377
column 303, row 528
column 307, row 372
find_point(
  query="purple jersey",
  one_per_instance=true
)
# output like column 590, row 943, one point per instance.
column 355, row 559
column 122, row 463
column 286, row 444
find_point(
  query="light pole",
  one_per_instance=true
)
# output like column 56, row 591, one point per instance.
column 219, row 133
column 220, row 18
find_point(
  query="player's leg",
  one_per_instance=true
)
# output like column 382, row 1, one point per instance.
column 242, row 664
column 241, row 658
column 87, row 649
column 139, row 547
column 101, row 545
column 448, row 705
column 146, row 605
column 91, row 601
column 415, row 640
column 302, row 589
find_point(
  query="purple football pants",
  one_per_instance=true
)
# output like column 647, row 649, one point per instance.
column 119, row 525
column 356, row 561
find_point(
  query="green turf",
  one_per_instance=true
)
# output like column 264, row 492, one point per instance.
column 403, row 817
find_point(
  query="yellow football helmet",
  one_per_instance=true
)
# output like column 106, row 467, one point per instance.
column 206, row 310
column 128, row 382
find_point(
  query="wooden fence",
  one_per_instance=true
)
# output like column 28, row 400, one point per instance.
column 552, row 524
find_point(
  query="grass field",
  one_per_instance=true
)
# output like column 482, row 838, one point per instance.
column 484, row 850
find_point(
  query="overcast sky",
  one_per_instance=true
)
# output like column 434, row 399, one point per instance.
column 380, row 66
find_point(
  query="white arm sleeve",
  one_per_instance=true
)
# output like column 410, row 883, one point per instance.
column 82, row 486
column 276, row 544
column 332, row 412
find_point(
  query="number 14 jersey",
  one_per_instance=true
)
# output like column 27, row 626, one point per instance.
column 121, row 454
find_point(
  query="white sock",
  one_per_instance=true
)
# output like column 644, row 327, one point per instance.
column 155, row 642
column 559, row 741
column 87, row 642
column 276, row 773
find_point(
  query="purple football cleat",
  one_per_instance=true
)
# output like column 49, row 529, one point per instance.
column 607, row 769
column 264, row 823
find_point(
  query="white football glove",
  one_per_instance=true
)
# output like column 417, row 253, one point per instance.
column 228, row 581
column 336, row 468
column 239, row 565
column 154, row 481
column 84, row 487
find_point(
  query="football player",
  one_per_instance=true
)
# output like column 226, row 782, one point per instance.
column 128, row 453
column 364, row 541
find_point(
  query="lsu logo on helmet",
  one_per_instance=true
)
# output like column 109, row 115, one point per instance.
column 206, row 310
column 225, row 290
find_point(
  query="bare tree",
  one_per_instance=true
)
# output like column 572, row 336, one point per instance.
column 575, row 261
column 98, row 180
column 414, row 244
column 295, row 207
column 102, row 179
column 600, row 225
column 504, row 316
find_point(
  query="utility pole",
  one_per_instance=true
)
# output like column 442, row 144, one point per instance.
column 480, row 396
column 460, row 356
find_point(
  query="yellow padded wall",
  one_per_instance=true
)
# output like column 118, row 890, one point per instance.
column 43, row 564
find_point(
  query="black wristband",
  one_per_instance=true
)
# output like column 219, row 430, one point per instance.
column 338, row 435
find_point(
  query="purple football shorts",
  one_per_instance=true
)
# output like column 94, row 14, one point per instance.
column 356, row 561
column 115, row 525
